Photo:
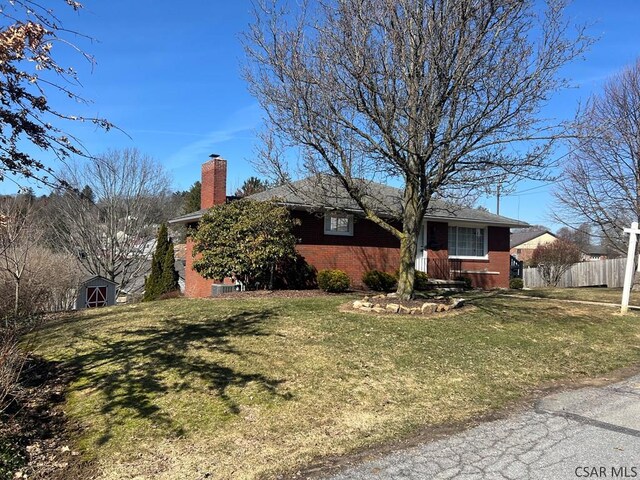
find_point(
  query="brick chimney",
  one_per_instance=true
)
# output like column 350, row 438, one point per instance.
column 214, row 182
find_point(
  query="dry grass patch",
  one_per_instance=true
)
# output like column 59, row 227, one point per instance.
column 590, row 294
column 253, row 388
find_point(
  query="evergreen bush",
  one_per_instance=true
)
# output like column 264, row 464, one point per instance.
column 334, row 281
column 163, row 278
column 379, row 281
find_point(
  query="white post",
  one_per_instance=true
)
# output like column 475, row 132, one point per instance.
column 628, row 273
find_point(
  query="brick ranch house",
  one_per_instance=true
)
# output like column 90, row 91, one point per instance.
column 454, row 241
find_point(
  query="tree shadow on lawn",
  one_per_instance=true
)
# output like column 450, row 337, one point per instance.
column 130, row 371
column 508, row 310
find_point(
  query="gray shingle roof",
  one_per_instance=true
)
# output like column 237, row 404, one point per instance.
column 519, row 237
column 595, row 250
column 326, row 192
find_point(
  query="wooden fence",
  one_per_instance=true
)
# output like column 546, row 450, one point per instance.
column 584, row 274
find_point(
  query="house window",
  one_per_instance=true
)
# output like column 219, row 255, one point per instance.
column 467, row 242
column 338, row 224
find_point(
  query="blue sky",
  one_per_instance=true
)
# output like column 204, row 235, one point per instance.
column 168, row 74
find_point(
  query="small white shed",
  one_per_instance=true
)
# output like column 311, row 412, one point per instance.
column 95, row 291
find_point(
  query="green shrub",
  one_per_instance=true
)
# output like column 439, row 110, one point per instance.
column 294, row 274
column 516, row 284
column 466, row 280
column 379, row 281
column 421, row 282
column 333, row 281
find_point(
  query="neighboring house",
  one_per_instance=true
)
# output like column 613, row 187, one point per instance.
column 454, row 240
column 593, row 253
column 524, row 242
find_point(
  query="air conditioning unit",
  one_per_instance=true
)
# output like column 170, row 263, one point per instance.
column 219, row 289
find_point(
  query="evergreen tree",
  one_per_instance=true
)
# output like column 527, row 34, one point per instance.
column 191, row 201
column 163, row 277
column 169, row 281
column 250, row 186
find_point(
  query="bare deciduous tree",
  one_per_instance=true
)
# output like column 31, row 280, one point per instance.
column 580, row 235
column 19, row 236
column 30, row 33
column 554, row 259
column 432, row 93
column 601, row 183
column 110, row 236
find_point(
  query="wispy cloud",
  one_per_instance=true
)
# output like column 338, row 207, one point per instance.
column 169, row 132
column 235, row 127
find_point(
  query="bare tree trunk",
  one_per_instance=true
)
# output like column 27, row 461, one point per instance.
column 412, row 223
column 406, row 277
column 16, row 299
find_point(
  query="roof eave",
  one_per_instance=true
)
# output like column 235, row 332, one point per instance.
column 194, row 217
column 184, row 219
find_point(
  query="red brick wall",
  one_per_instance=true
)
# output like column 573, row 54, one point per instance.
column 214, row 183
column 195, row 286
column 523, row 254
column 370, row 247
column 498, row 245
column 491, row 273
column 437, row 240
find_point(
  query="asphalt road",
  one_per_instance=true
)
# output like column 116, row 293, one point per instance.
column 586, row 433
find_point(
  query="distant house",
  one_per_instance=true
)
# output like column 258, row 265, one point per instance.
column 454, row 240
column 524, row 242
column 592, row 253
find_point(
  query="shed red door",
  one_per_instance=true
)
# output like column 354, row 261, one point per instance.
column 96, row 297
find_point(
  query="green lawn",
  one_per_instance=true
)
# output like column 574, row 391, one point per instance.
column 255, row 387
column 607, row 295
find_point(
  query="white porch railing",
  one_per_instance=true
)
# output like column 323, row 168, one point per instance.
column 421, row 264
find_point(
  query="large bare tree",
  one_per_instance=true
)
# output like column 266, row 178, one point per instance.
column 601, row 183
column 111, row 234
column 32, row 38
column 443, row 95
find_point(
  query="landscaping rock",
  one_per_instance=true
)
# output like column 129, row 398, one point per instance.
column 366, row 299
column 393, row 307
column 442, row 307
column 379, row 309
column 366, row 309
column 404, row 309
column 377, row 305
column 392, row 295
column 357, row 304
column 428, row 307
column 366, row 304
column 415, row 311
column 457, row 302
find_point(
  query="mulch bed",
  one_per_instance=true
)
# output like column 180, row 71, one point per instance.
column 274, row 294
column 34, row 432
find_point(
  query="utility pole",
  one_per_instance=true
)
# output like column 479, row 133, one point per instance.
column 498, row 199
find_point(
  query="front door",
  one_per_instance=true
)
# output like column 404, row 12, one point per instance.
column 96, row 297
